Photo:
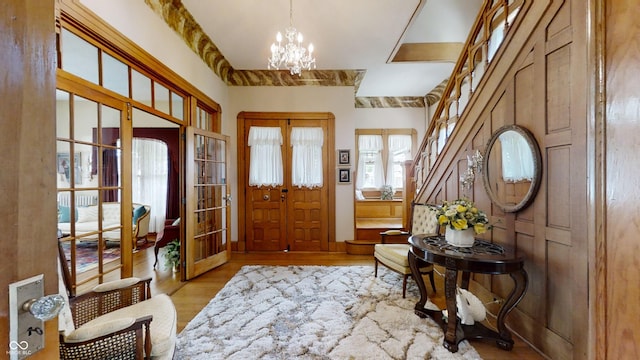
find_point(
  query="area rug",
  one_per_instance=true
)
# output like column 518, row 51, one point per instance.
column 314, row 312
column 87, row 254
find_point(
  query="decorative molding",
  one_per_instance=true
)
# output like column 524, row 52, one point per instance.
column 435, row 95
column 390, row 102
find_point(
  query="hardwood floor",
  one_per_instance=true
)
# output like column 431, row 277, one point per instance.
column 190, row 297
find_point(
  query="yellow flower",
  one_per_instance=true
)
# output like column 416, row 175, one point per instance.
column 443, row 220
column 459, row 224
column 461, row 208
column 479, row 228
column 474, row 210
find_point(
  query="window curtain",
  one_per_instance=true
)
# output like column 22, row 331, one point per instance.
column 265, row 168
column 150, row 169
column 517, row 160
column 306, row 167
column 370, row 146
column 110, row 174
column 399, row 151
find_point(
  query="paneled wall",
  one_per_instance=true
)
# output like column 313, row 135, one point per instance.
column 538, row 82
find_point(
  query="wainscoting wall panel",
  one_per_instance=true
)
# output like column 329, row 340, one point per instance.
column 542, row 90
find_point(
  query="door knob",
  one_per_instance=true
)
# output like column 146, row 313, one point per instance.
column 265, row 197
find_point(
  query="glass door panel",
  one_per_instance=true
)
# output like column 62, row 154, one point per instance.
column 208, row 210
column 90, row 226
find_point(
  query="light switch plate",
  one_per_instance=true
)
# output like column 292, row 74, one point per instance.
column 26, row 333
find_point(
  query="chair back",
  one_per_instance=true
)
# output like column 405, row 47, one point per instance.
column 424, row 219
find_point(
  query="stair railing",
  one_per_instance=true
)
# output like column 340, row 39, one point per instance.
column 489, row 29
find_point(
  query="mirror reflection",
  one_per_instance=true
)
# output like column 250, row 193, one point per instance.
column 512, row 170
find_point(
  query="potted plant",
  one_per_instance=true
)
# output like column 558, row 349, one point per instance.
column 387, row 192
column 172, row 254
column 463, row 221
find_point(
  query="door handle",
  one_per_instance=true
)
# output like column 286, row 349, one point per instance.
column 265, row 197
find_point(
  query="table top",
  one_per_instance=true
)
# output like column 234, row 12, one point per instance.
column 483, row 257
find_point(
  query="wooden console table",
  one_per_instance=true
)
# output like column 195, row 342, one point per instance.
column 484, row 258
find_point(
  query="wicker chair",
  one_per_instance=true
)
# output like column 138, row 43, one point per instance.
column 395, row 255
column 116, row 320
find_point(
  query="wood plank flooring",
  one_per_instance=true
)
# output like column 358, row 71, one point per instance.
column 190, row 297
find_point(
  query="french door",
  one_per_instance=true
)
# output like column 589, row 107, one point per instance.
column 208, row 215
column 92, row 143
column 286, row 217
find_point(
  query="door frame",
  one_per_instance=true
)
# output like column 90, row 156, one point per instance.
column 243, row 176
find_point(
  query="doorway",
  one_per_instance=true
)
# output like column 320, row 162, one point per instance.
column 283, row 216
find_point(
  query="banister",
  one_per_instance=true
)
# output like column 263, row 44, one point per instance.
column 475, row 54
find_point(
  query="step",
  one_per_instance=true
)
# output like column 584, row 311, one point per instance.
column 360, row 247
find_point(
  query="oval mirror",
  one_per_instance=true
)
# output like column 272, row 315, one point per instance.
column 512, row 168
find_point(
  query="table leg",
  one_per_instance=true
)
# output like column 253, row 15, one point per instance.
column 521, row 281
column 464, row 281
column 414, row 264
column 450, row 336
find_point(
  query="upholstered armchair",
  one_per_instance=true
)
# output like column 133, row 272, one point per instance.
column 116, row 320
column 395, row 256
column 141, row 221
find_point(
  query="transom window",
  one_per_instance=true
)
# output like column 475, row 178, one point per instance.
column 92, row 63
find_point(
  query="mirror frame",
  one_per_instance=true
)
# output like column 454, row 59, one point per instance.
column 537, row 168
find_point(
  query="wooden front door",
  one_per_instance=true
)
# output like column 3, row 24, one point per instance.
column 286, row 217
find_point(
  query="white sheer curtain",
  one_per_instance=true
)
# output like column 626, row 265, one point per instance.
column 399, row 151
column 306, row 167
column 150, row 169
column 370, row 169
column 517, row 160
column 265, row 168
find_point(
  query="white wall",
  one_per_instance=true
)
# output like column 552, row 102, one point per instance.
column 139, row 23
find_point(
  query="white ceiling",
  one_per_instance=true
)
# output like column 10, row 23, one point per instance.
column 346, row 34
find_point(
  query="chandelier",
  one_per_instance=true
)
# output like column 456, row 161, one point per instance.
column 291, row 55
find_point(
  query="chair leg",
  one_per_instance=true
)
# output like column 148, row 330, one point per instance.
column 155, row 250
column 376, row 268
column 433, row 283
column 404, row 285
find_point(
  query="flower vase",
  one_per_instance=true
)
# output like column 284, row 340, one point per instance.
column 460, row 238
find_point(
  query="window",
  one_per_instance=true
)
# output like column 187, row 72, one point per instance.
column 381, row 154
column 265, row 168
column 92, row 63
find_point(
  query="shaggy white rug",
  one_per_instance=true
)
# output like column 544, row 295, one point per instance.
column 314, row 312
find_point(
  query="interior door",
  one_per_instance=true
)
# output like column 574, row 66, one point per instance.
column 93, row 183
column 207, row 243
column 287, row 217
